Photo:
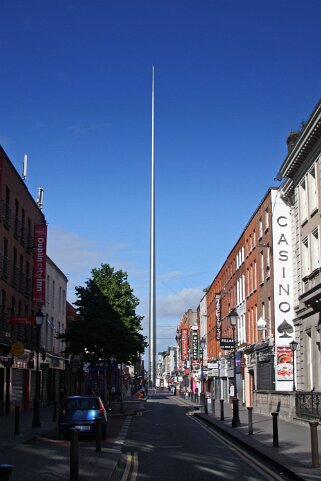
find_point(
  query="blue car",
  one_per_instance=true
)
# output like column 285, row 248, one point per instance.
column 81, row 412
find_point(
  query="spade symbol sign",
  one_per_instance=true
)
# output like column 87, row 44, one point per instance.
column 285, row 329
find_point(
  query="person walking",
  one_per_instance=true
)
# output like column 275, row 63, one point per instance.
column 232, row 393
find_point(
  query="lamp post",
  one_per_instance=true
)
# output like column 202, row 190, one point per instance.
column 293, row 346
column 202, row 394
column 36, row 419
column 236, row 418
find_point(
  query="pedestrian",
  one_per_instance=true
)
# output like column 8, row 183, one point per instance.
column 232, row 393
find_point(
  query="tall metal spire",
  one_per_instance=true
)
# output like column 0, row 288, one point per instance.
column 152, row 290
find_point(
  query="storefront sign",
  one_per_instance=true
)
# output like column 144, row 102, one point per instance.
column 283, row 287
column 218, row 316
column 184, row 344
column 194, row 345
column 31, row 320
column 39, row 265
column 227, row 343
column 284, row 364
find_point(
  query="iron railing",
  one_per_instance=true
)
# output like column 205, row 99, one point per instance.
column 308, row 405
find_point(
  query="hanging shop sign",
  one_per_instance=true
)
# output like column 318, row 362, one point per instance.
column 218, row 316
column 184, row 344
column 227, row 343
column 283, row 290
column 39, row 265
column 31, row 320
column 194, row 345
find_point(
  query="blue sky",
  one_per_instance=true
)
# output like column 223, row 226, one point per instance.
column 232, row 78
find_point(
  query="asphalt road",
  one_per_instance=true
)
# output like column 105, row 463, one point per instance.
column 167, row 443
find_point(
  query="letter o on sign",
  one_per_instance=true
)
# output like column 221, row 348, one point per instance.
column 284, row 306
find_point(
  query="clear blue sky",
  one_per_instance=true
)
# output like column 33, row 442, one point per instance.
column 233, row 77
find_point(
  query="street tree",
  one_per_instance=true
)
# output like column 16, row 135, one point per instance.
column 107, row 326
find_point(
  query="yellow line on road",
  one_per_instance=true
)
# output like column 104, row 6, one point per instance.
column 127, row 468
column 135, row 468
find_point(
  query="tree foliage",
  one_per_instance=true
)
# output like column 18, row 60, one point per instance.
column 107, row 325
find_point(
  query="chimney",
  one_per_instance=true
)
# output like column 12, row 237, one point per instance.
column 291, row 140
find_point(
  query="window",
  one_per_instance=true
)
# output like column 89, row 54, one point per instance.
column 262, row 267
column 59, row 300
column 305, row 257
column 255, row 276
column 48, row 289
column 23, row 219
column 16, row 219
column 267, row 221
column 303, row 202
column 315, row 249
column 53, row 294
column 312, row 191
column 268, row 261
column 29, row 240
column 7, row 208
column 260, row 228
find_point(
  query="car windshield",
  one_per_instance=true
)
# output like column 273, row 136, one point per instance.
column 83, row 403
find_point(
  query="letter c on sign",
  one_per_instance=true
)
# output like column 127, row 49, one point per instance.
column 279, row 221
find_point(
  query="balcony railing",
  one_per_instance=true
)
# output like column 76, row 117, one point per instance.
column 308, row 405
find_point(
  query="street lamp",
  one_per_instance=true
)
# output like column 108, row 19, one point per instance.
column 202, row 395
column 293, row 346
column 36, row 419
column 236, row 419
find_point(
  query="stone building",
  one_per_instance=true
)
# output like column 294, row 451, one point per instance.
column 301, row 191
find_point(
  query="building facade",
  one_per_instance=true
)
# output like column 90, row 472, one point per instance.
column 301, row 191
column 23, row 263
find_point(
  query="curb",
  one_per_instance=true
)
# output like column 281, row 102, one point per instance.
column 258, row 450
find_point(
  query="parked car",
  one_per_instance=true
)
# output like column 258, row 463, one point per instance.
column 80, row 412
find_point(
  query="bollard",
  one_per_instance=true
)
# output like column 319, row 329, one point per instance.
column 74, row 454
column 213, row 405
column 17, row 420
column 275, row 430
column 54, row 414
column 250, row 419
column 206, row 405
column 314, row 444
column 98, row 422
column 5, row 471
column 222, row 409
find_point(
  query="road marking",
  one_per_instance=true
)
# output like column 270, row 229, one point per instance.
column 260, row 467
column 127, row 468
column 122, row 433
column 135, row 467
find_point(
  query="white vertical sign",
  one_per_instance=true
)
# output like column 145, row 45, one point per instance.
column 283, row 292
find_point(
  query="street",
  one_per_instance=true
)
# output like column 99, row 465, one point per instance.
column 168, row 443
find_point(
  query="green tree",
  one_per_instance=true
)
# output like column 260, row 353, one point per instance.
column 107, row 325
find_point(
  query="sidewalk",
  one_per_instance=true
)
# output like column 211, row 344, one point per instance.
column 294, row 452
column 39, row 454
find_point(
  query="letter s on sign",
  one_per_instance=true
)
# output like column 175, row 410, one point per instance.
column 283, row 256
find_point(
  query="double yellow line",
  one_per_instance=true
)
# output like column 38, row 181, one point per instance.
column 131, row 467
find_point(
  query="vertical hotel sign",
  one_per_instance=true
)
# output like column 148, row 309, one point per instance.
column 283, row 292
column 39, row 264
column 184, row 344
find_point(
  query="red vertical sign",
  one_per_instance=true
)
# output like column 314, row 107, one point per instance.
column 39, row 265
column 184, row 344
column 218, row 316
